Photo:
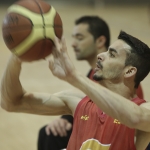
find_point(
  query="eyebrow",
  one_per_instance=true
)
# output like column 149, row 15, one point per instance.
column 112, row 50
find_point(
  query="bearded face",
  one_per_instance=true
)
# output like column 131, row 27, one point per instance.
column 108, row 72
column 110, row 65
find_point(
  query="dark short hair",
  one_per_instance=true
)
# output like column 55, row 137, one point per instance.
column 139, row 56
column 97, row 27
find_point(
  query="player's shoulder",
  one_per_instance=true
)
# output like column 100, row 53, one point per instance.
column 71, row 97
column 71, row 93
column 146, row 105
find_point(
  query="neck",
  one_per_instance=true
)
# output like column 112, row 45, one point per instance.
column 120, row 88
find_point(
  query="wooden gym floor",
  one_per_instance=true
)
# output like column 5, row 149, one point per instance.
column 20, row 131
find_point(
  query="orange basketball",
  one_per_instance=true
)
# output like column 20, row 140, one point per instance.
column 29, row 28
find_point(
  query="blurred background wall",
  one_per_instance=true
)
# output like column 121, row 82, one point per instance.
column 94, row 2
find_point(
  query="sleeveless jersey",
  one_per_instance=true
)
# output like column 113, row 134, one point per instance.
column 139, row 92
column 94, row 130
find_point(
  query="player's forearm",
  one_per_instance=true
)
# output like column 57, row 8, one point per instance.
column 111, row 103
column 11, row 89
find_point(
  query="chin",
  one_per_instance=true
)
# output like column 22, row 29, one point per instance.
column 97, row 77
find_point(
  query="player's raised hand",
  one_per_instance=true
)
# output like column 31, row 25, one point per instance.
column 61, row 65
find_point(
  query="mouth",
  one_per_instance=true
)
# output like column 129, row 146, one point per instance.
column 98, row 67
column 76, row 50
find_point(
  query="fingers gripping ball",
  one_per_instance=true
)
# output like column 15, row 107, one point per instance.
column 29, row 29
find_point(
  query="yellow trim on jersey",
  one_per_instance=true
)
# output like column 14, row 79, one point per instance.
column 94, row 144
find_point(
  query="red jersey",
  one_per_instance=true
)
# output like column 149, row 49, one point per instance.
column 139, row 92
column 94, row 130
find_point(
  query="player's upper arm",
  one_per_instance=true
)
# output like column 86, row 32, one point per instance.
column 64, row 102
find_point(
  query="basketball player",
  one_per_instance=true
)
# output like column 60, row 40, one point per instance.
column 111, row 116
column 91, row 36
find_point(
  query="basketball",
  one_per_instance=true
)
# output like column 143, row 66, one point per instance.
column 29, row 29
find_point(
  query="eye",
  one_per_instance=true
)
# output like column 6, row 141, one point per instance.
column 111, row 54
column 80, row 38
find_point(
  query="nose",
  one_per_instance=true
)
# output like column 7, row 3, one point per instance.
column 100, row 57
column 74, row 44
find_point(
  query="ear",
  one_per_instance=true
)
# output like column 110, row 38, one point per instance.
column 130, row 71
column 100, row 41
